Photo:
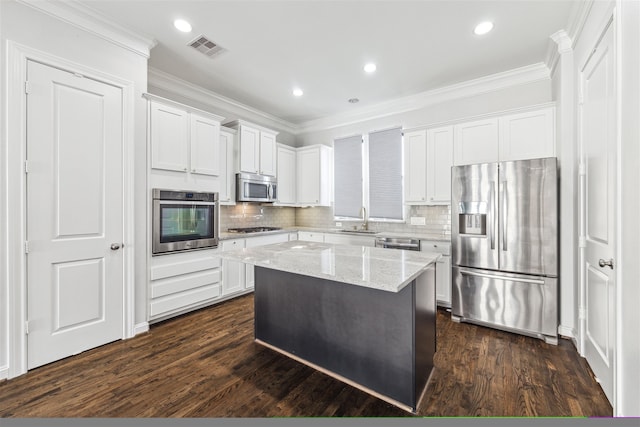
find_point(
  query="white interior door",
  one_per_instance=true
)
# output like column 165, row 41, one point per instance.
column 598, row 140
column 74, row 214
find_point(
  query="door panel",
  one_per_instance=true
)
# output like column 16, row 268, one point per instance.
column 528, row 201
column 473, row 212
column 74, row 213
column 598, row 143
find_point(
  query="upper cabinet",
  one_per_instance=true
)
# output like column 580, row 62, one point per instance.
column 528, row 135
column 314, row 175
column 228, row 153
column 183, row 139
column 518, row 136
column 257, row 148
column 286, row 175
column 428, row 157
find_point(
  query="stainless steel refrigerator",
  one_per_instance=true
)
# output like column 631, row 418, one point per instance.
column 504, row 246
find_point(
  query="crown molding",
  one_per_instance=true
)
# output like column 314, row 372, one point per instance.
column 560, row 44
column 171, row 83
column 494, row 82
column 90, row 20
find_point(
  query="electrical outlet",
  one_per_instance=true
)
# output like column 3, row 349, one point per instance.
column 417, row 220
column 338, row 224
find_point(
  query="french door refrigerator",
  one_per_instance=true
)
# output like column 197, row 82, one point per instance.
column 504, row 224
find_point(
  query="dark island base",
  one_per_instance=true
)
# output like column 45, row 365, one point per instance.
column 381, row 342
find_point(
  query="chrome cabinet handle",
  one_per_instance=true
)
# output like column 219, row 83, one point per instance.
column 602, row 263
column 116, row 246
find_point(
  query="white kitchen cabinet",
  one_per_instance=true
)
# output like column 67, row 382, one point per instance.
column 169, row 133
column 439, row 162
column 293, row 236
column 528, row 135
column 252, row 242
column 517, row 136
column 228, row 153
column 443, row 269
column 257, row 148
column 428, row 157
column 204, row 145
column 286, row 175
column 314, row 175
column 234, row 274
column 183, row 139
column 415, row 170
column 310, row 236
column 349, row 239
column 476, row 142
column 182, row 282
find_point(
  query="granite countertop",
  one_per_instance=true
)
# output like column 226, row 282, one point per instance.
column 440, row 237
column 375, row 268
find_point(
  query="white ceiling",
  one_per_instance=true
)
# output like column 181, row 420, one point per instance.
column 322, row 46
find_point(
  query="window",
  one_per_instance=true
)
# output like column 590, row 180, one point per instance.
column 368, row 172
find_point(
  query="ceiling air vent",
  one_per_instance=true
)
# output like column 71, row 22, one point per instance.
column 206, row 46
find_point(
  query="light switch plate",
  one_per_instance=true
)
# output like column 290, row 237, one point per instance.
column 417, row 220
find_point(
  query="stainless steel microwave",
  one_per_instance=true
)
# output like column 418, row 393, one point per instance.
column 184, row 220
column 256, row 188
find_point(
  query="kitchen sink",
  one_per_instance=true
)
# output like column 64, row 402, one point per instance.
column 359, row 231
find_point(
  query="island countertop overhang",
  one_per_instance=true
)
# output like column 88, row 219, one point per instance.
column 375, row 268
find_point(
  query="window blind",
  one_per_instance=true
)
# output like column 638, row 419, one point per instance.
column 347, row 168
column 385, row 174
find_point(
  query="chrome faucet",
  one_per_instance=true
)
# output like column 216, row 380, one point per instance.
column 365, row 219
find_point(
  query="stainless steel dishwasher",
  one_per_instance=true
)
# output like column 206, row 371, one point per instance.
column 405, row 243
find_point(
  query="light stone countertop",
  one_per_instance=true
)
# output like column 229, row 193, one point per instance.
column 440, row 237
column 375, row 268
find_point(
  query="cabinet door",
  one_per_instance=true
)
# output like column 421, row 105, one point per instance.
column 415, row 168
column 286, row 174
column 169, row 137
column 439, row 162
column 227, row 176
column 308, row 166
column 529, row 135
column 205, row 146
column 249, row 149
column 267, row 154
column 233, row 272
column 443, row 281
column 476, row 142
column 309, row 236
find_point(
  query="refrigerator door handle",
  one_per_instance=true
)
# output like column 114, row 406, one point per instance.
column 494, row 276
column 503, row 210
column 492, row 213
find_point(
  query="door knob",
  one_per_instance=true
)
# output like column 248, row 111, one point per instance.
column 116, row 246
column 603, row 263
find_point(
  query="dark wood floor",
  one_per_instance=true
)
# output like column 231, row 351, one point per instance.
column 205, row 364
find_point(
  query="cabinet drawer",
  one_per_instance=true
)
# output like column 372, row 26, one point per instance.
column 229, row 245
column 182, row 283
column 443, row 248
column 184, row 299
column 183, row 267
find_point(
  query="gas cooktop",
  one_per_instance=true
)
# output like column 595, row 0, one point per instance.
column 252, row 229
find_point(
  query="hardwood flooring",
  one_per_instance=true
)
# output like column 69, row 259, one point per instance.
column 205, row 364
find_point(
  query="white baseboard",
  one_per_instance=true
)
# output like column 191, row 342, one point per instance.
column 568, row 332
column 141, row 328
column 4, row 372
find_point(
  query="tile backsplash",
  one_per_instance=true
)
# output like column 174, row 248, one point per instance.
column 437, row 219
column 254, row 215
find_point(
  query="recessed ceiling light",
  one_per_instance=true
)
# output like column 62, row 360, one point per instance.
column 370, row 68
column 353, row 100
column 297, row 92
column 483, row 28
column 182, row 25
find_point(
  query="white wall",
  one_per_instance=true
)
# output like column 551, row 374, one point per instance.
column 522, row 95
column 37, row 30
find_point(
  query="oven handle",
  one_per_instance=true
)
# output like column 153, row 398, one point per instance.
column 178, row 202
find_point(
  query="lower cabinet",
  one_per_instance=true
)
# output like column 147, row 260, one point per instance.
column 443, row 270
column 183, row 282
column 234, row 274
column 310, row 236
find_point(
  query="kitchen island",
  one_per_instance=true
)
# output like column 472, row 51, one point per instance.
column 363, row 315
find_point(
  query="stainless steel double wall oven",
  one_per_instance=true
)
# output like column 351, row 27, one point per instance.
column 184, row 220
